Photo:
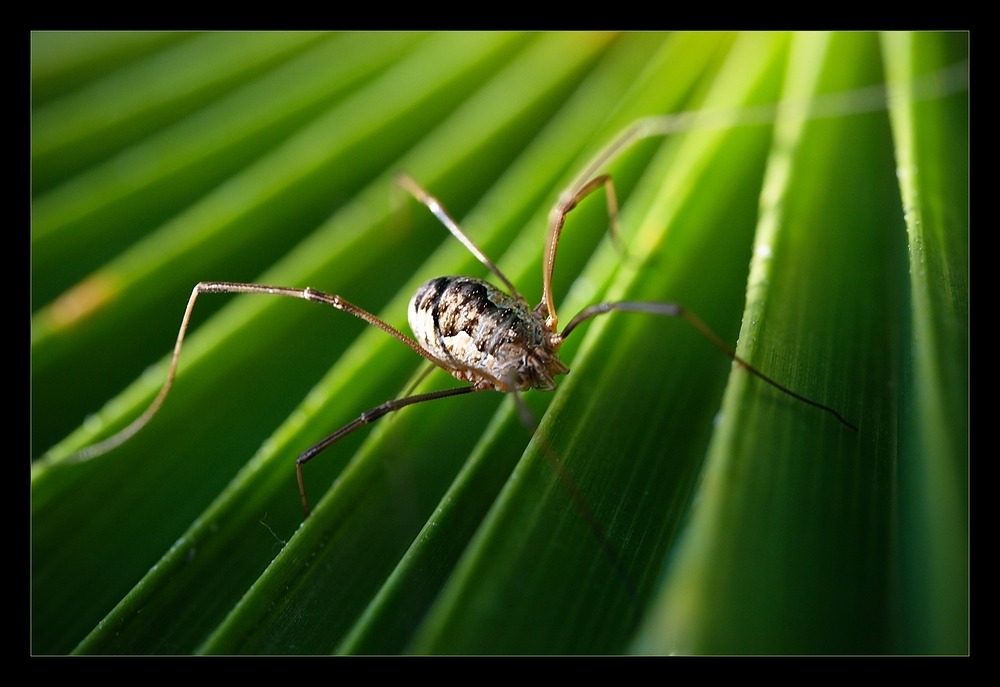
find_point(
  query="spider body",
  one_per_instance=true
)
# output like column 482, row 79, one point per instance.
column 482, row 335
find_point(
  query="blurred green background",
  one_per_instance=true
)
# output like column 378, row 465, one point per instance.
column 829, row 244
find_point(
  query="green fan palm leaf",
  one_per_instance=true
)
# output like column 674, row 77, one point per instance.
column 694, row 508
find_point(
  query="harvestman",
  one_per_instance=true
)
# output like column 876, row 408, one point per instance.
column 468, row 327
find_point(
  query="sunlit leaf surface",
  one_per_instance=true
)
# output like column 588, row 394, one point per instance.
column 668, row 502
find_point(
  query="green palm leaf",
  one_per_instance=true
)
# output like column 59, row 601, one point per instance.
column 726, row 517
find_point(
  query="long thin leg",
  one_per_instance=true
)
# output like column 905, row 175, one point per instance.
column 675, row 310
column 434, row 205
column 233, row 287
column 951, row 79
column 557, row 218
column 366, row 418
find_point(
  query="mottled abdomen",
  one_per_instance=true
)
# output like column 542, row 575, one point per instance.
column 482, row 335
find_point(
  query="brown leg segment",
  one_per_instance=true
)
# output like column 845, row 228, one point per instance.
column 557, row 218
column 233, row 287
column 675, row 310
column 367, row 418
